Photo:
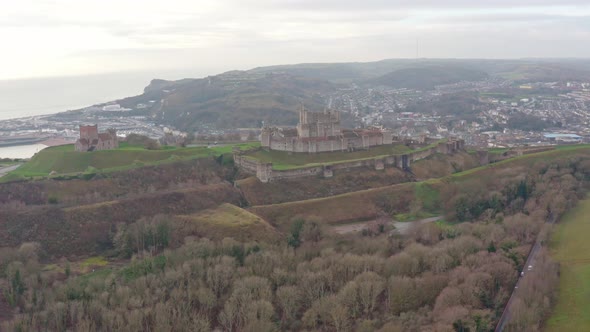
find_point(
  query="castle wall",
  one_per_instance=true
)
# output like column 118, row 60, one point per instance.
column 265, row 173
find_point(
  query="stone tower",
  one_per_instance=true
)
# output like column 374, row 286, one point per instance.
column 320, row 124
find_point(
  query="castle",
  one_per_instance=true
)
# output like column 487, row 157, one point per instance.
column 92, row 140
column 321, row 132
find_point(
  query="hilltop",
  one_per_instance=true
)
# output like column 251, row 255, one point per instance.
column 232, row 100
column 65, row 161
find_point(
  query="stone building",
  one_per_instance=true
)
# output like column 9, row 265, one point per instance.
column 92, row 140
column 321, row 132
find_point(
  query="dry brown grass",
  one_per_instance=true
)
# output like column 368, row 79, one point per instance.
column 257, row 193
column 360, row 205
column 228, row 220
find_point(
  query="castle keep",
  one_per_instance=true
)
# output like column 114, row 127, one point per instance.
column 92, row 140
column 321, row 132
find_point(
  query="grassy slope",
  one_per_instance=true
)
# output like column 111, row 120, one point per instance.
column 86, row 229
column 439, row 165
column 350, row 207
column 64, row 160
column 362, row 205
column 571, row 248
column 228, row 220
column 288, row 190
column 283, row 160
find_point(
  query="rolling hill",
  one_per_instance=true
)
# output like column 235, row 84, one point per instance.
column 273, row 94
column 426, row 78
column 233, row 99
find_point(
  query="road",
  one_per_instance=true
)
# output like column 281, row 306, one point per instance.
column 507, row 310
column 4, row 170
column 400, row 227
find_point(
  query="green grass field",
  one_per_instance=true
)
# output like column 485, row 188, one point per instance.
column 64, row 160
column 571, row 248
column 284, row 160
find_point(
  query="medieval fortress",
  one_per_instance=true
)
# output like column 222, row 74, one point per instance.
column 321, row 132
column 92, row 140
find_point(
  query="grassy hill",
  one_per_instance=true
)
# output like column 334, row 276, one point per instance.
column 399, row 198
column 274, row 93
column 64, row 160
column 426, row 78
column 233, row 99
column 87, row 229
column 548, row 71
column 228, row 220
column 571, row 249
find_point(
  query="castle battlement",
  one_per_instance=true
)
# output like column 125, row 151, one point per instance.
column 265, row 172
column 321, row 132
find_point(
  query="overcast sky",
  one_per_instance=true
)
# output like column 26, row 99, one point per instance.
column 71, row 37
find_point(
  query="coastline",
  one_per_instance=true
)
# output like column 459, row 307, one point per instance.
column 26, row 151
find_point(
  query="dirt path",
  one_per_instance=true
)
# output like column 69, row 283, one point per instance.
column 400, row 227
column 350, row 228
column 404, row 227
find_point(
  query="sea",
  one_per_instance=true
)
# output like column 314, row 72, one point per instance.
column 41, row 96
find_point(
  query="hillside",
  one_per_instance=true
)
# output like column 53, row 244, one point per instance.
column 430, row 195
column 243, row 99
column 87, row 229
column 232, row 100
column 227, row 220
column 548, row 71
column 63, row 159
column 192, row 259
column 426, row 78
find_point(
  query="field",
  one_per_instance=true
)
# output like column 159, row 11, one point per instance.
column 284, row 160
column 63, row 159
column 571, row 248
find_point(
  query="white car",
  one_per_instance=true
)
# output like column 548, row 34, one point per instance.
column 530, row 267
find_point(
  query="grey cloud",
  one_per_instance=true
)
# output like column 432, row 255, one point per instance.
column 524, row 18
column 343, row 5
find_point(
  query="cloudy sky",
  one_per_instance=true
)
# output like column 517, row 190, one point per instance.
column 71, row 37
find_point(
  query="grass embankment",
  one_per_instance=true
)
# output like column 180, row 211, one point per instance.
column 63, row 160
column 284, row 160
column 524, row 160
column 350, row 207
column 409, row 200
column 571, row 248
column 87, row 229
column 228, row 220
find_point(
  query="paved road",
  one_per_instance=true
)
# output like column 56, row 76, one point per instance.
column 531, row 260
column 4, row 170
column 400, row 227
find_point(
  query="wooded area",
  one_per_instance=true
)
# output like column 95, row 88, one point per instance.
column 450, row 276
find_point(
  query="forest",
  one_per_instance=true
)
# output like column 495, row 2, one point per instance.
column 452, row 275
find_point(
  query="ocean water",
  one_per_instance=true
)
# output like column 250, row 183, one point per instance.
column 28, row 97
column 21, row 151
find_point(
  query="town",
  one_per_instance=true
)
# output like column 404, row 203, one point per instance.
column 489, row 113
